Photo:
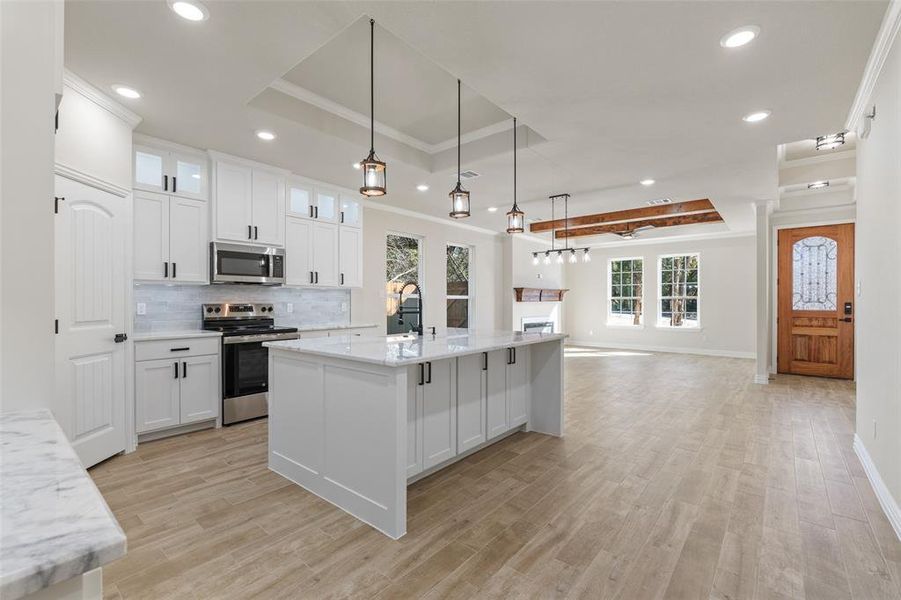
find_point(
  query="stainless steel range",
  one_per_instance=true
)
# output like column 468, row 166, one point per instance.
column 245, row 361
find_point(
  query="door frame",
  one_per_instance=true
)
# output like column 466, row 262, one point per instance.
column 131, row 439
column 773, row 297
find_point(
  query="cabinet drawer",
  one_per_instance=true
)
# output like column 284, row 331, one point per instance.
column 176, row 348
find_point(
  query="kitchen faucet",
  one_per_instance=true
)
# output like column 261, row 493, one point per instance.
column 401, row 311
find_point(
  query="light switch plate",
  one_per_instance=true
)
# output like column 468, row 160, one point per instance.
column 289, row 307
column 142, row 308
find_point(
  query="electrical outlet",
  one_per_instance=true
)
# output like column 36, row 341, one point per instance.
column 289, row 307
column 344, row 307
column 538, row 275
column 142, row 308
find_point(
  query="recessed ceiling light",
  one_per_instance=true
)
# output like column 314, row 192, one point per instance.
column 266, row 136
column 192, row 11
column 422, row 187
column 739, row 37
column 647, row 182
column 492, row 209
column 126, row 92
column 357, row 166
column 756, row 116
column 817, row 185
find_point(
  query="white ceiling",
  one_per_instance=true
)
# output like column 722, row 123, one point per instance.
column 612, row 92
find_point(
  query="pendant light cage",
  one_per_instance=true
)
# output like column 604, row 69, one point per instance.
column 515, row 217
column 458, row 196
column 375, row 173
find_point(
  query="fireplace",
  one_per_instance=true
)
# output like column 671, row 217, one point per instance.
column 538, row 325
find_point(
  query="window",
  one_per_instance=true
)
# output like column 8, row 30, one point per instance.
column 403, row 266
column 679, row 291
column 625, row 284
column 814, row 273
column 458, row 286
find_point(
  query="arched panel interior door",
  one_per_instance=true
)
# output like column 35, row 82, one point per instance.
column 815, row 308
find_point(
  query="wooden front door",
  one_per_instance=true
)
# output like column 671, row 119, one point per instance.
column 815, row 301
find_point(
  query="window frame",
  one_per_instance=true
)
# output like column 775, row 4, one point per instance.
column 420, row 270
column 610, row 313
column 471, row 283
column 660, row 297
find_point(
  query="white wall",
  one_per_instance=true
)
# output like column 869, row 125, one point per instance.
column 878, row 254
column 30, row 63
column 727, row 298
column 368, row 303
column 522, row 273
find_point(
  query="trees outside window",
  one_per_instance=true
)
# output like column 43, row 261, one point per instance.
column 626, row 283
column 679, row 291
column 458, row 286
column 403, row 266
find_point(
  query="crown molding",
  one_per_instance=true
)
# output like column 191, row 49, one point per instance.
column 216, row 155
column 90, row 92
column 815, row 160
column 691, row 237
column 339, row 110
column 888, row 33
column 89, row 180
column 148, row 140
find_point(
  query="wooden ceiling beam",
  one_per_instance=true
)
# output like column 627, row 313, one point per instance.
column 631, row 214
column 692, row 219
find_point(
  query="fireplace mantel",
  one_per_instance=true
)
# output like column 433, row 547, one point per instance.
column 524, row 294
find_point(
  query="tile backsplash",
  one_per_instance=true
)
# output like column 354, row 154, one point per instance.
column 177, row 307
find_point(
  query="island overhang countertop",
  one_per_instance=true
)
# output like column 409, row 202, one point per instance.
column 399, row 351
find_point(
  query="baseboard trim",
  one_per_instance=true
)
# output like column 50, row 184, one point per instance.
column 886, row 501
column 762, row 379
column 671, row 349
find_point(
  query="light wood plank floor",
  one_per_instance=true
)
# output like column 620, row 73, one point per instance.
column 678, row 478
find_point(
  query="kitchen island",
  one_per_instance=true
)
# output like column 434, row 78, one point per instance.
column 355, row 419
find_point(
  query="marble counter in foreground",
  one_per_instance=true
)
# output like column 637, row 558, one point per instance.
column 54, row 524
column 397, row 353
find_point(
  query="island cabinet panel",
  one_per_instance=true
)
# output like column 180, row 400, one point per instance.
column 414, row 421
column 496, row 393
column 297, row 424
column 472, row 388
column 518, row 387
column 439, row 414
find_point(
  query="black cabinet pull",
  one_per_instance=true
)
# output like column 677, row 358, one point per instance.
column 176, row 369
column 165, row 183
column 514, row 355
column 311, row 211
column 183, row 349
column 311, row 276
column 165, row 269
column 421, row 373
column 509, row 356
column 173, row 270
column 342, row 278
column 174, row 185
column 184, row 369
column 429, row 380
column 485, row 361
column 342, row 216
column 256, row 232
column 317, row 277
column 250, row 232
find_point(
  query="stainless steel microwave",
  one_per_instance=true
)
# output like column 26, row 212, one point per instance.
column 237, row 263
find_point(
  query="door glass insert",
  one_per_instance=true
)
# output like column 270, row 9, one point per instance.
column 149, row 169
column 814, row 271
column 189, row 176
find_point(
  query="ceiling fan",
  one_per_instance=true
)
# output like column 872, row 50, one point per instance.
column 628, row 234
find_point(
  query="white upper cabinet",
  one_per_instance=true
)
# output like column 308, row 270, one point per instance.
column 351, row 214
column 326, row 208
column 298, row 252
column 268, row 208
column 248, row 203
column 300, row 199
column 232, row 202
column 170, row 171
column 170, row 239
column 325, row 254
column 350, row 255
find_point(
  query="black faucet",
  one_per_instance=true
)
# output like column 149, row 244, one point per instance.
column 401, row 311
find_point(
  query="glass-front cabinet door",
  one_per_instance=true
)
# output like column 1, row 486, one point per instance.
column 189, row 176
column 150, row 169
column 300, row 199
column 351, row 212
column 326, row 205
column 168, row 172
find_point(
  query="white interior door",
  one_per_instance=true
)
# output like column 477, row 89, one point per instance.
column 90, row 305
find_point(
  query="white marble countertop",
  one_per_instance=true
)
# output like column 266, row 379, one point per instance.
column 336, row 327
column 397, row 353
column 54, row 524
column 151, row 336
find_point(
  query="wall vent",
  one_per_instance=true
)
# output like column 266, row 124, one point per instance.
column 468, row 174
column 659, row 201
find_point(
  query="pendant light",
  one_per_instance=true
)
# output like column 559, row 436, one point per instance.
column 374, row 171
column 515, row 218
column 458, row 196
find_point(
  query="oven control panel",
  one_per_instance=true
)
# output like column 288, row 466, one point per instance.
column 227, row 310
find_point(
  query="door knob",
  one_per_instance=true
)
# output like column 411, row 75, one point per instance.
column 120, row 337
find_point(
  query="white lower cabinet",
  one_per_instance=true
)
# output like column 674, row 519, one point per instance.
column 455, row 405
column 174, row 386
